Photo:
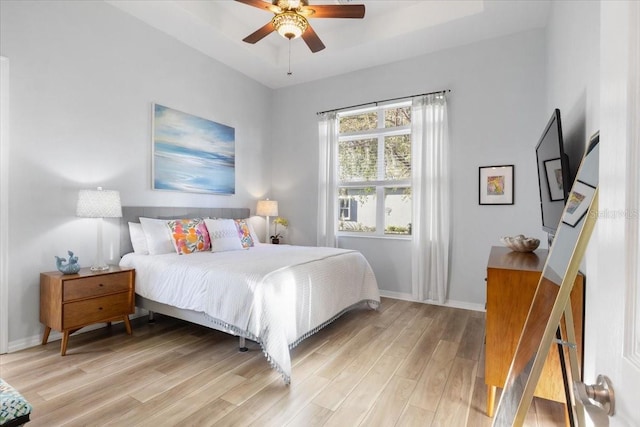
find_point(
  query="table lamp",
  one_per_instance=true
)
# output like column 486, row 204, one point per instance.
column 99, row 204
column 267, row 208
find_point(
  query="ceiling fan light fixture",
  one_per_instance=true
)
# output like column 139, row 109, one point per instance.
column 290, row 25
column 291, row 4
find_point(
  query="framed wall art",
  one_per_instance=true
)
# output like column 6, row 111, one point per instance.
column 496, row 185
column 553, row 170
column 578, row 203
column 191, row 153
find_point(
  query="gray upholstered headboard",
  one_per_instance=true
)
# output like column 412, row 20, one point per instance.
column 133, row 214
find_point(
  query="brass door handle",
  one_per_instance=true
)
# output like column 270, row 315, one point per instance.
column 598, row 399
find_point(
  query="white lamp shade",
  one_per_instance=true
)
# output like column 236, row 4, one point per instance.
column 99, row 204
column 267, row 208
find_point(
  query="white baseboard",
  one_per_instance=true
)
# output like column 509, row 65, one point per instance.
column 449, row 303
column 36, row 340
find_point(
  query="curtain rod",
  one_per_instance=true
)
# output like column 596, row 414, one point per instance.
column 384, row 100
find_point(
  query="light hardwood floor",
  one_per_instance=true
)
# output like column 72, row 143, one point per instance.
column 407, row 364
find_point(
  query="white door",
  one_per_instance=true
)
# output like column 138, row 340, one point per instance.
column 615, row 308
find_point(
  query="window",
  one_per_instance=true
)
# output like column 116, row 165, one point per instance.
column 345, row 210
column 374, row 171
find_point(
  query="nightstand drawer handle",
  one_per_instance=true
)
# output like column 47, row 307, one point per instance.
column 99, row 308
column 100, row 284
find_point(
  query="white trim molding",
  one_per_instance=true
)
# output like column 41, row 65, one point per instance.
column 448, row 303
column 632, row 312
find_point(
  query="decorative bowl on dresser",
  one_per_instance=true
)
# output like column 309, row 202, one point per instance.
column 69, row 302
column 521, row 243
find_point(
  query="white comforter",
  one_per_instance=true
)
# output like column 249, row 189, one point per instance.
column 274, row 294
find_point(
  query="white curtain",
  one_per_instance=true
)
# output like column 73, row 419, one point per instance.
column 431, row 204
column 327, row 181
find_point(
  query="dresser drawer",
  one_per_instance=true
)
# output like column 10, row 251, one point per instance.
column 86, row 287
column 79, row 313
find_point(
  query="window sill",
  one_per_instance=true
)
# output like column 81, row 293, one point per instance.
column 372, row 236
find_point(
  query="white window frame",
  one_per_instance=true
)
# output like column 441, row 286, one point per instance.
column 380, row 133
column 346, row 207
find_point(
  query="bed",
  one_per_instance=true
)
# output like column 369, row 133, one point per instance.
column 275, row 295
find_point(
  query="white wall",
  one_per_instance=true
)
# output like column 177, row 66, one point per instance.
column 573, row 61
column 573, row 69
column 83, row 77
column 84, row 74
column 497, row 113
column 4, row 203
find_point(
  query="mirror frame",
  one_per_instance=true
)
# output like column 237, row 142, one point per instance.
column 552, row 300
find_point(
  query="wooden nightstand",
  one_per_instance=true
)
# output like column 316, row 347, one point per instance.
column 73, row 301
column 512, row 280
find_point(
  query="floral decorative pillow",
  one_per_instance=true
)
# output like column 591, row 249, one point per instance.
column 252, row 232
column 244, row 232
column 189, row 235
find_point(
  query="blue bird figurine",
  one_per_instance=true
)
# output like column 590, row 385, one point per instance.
column 72, row 267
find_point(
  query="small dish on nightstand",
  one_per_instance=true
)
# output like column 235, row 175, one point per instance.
column 520, row 243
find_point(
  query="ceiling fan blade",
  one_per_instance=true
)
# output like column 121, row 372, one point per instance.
column 260, row 33
column 261, row 5
column 337, row 11
column 312, row 40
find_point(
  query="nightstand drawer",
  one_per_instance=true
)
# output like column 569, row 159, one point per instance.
column 96, row 310
column 95, row 286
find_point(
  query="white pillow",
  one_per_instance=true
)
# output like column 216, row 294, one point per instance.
column 223, row 234
column 158, row 235
column 138, row 239
column 254, row 236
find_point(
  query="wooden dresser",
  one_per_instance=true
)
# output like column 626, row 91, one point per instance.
column 73, row 301
column 512, row 279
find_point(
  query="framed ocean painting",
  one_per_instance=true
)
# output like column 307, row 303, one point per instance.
column 191, row 154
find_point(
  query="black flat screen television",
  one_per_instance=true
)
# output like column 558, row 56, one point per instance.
column 553, row 174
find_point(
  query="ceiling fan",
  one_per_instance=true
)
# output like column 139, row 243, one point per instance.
column 290, row 19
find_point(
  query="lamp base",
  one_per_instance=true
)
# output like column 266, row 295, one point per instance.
column 102, row 267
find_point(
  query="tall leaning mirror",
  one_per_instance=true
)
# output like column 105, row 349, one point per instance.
column 551, row 299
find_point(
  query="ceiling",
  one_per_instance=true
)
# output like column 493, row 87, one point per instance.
column 390, row 31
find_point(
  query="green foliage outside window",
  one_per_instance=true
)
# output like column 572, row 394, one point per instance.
column 374, row 155
column 358, row 160
column 359, row 122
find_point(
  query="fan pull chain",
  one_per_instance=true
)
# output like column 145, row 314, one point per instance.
column 289, row 73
